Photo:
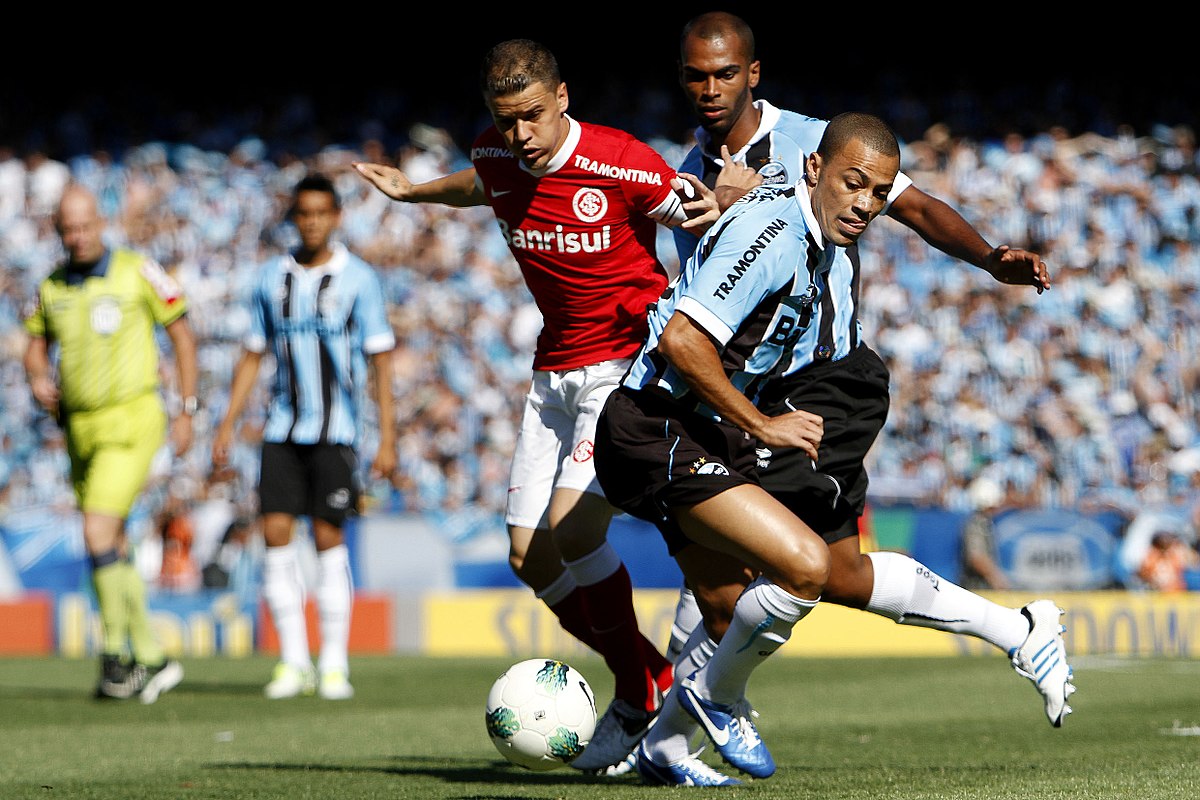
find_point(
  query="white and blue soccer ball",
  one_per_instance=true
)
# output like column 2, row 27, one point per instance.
column 541, row 713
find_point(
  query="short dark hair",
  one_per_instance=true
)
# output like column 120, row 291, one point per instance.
column 717, row 25
column 514, row 65
column 316, row 182
column 867, row 128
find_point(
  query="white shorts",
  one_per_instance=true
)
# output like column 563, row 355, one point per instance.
column 554, row 445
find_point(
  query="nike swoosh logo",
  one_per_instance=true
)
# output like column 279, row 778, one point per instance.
column 498, row 193
column 720, row 736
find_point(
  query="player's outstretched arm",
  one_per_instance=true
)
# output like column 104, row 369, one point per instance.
column 458, row 189
column 944, row 228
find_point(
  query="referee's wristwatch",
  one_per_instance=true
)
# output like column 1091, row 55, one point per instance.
column 191, row 404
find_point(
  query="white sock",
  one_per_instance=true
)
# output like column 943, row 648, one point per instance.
column 695, row 653
column 335, row 598
column 595, row 566
column 687, row 619
column 668, row 739
column 762, row 622
column 909, row 593
column 283, row 589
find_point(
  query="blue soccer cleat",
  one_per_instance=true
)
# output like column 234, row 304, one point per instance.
column 689, row 772
column 731, row 731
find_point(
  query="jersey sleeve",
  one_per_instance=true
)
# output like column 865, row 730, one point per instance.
column 162, row 293
column 255, row 339
column 749, row 258
column 653, row 198
column 370, row 314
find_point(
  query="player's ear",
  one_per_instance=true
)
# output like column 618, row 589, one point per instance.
column 563, row 100
column 752, row 80
column 812, row 169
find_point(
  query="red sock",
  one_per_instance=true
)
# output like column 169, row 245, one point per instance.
column 662, row 671
column 609, row 607
column 573, row 618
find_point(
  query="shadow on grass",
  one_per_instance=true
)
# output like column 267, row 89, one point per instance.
column 450, row 770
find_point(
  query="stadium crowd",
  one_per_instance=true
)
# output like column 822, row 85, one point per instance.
column 1082, row 397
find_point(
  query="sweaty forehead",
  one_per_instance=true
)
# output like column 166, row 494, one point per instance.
column 515, row 102
column 726, row 47
column 858, row 156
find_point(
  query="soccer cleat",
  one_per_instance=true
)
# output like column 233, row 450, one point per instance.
column 1042, row 658
column 290, row 681
column 335, row 685
column 622, row 768
column 616, row 734
column 150, row 682
column 115, row 679
column 689, row 772
column 731, row 730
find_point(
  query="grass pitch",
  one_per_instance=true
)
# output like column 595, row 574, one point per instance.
column 839, row 729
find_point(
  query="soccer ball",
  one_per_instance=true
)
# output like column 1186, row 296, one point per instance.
column 541, row 714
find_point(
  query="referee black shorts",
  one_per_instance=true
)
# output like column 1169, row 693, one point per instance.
column 308, row 480
column 652, row 455
column 851, row 394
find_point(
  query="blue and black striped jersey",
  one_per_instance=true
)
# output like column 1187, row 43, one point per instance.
column 767, row 288
column 320, row 324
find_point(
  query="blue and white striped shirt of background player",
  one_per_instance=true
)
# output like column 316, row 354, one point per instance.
column 321, row 324
column 776, row 151
column 766, row 286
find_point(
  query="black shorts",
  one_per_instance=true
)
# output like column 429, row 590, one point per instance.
column 652, row 456
column 308, row 480
column 852, row 396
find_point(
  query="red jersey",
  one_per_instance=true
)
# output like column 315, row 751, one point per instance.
column 583, row 232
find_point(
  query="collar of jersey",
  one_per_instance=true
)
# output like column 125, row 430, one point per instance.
column 559, row 159
column 335, row 264
column 766, row 123
column 805, row 202
column 97, row 270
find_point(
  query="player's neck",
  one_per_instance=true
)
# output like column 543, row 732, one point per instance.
column 741, row 131
column 313, row 258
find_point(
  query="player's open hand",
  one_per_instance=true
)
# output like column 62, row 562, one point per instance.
column 699, row 202
column 1018, row 268
column 802, row 429
column 389, row 180
column 734, row 179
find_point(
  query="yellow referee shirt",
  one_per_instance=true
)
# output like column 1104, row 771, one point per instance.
column 104, row 328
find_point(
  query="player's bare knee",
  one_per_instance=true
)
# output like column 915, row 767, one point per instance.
column 804, row 570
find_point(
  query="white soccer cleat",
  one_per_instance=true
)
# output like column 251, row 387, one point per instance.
column 617, row 734
column 1042, row 658
column 289, row 680
column 335, row 685
column 153, row 681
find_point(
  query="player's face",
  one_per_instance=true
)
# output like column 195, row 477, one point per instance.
column 81, row 229
column 316, row 217
column 717, row 77
column 532, row 122
column 849, row 189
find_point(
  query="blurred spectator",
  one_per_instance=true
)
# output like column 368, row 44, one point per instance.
column 979, row 567
column 1167, row 562
column 1085, row 394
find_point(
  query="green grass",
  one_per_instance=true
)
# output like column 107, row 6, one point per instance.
column 899, row 728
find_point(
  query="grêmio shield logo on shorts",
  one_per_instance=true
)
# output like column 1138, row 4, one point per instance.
column 339, row 499
column 702, row 466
